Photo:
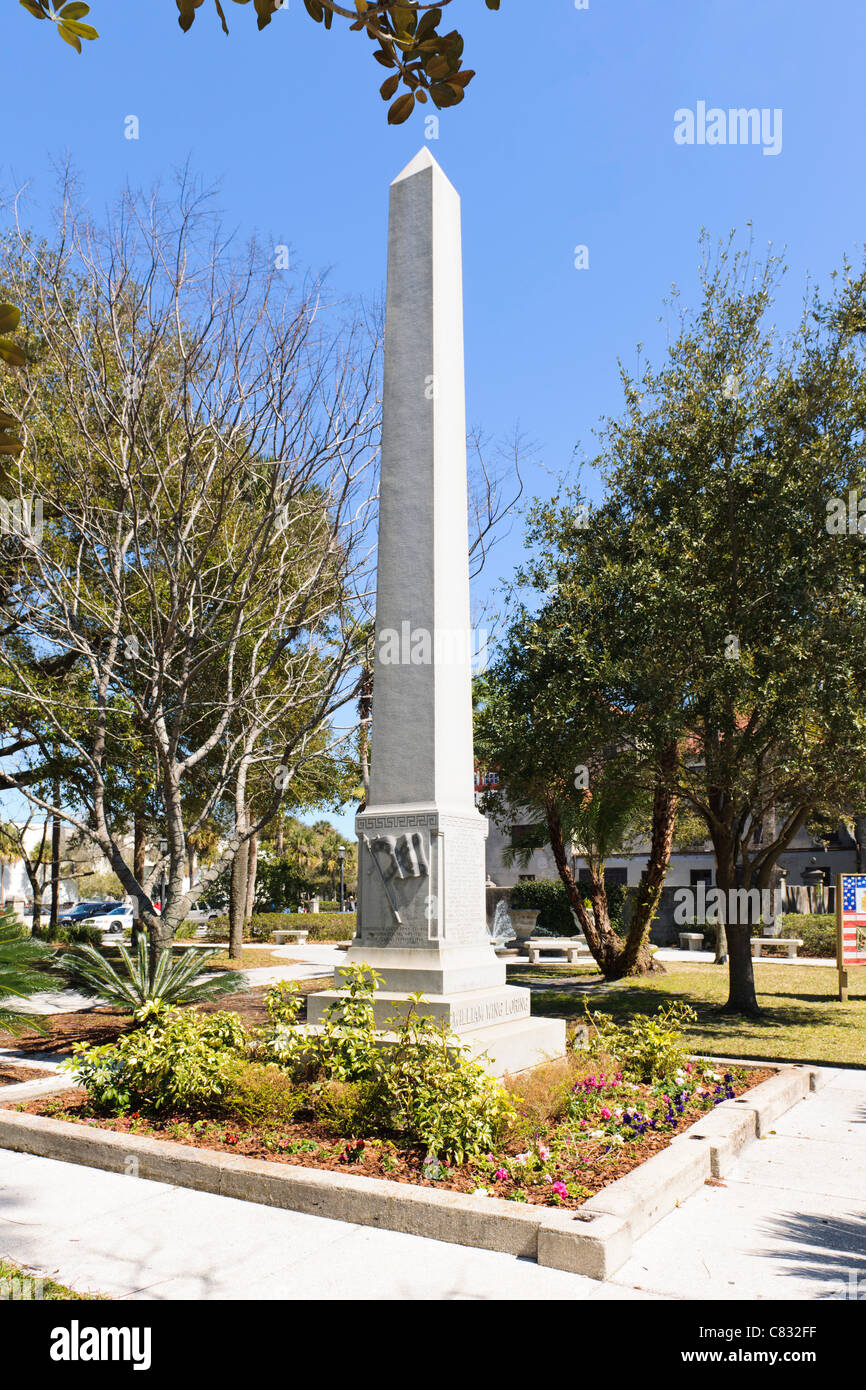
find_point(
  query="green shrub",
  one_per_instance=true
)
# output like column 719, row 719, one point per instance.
column 649, row 1047
column 258, row 1094
column 423, row 1088
column 818, row 932
column 183, row 1061
column 555, row 916
column 217, row 929
column 187, row 931
column 551, row 899
column 322, row 926
column 71, row 934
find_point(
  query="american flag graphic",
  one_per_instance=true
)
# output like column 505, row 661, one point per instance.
column 854, row 919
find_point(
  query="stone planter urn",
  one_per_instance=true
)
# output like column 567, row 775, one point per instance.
column 523, row 920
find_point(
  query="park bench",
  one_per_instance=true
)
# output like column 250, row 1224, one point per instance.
column 791, row 943
column 565, row 946
column 297, row 936
column 691, row 940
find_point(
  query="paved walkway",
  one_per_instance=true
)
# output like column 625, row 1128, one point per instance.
column 790, row 1223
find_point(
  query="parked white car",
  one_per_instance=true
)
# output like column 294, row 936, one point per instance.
column 118, row 920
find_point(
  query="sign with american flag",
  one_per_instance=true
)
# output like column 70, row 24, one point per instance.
column 851, row 920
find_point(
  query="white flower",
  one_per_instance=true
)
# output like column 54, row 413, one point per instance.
column 481, row 1192
column 617, row 1139
column 596, row 1134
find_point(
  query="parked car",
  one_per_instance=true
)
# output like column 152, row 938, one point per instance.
column 117, row 920
column 83, row 910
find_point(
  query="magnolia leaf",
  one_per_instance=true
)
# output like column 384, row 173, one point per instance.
column 82, row 31
column 77, row 10
column 315, row 10
column 428, row 22
column 11, row 354
column 187, row 9
column 10, row 317
column 389, row 86
column 402, row 109
column 437, row 68
column 403, row 18
column 35, row 9
column 385, row 59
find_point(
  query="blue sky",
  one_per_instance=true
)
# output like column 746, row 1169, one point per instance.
column 566, row 138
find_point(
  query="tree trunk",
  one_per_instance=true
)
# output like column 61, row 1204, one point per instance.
column 365, row 711
column 139, row 850
column 252, row 862
column 741, row 983
column 55, row 859
column 860, row 842
column 637, row 957
column 602, row 940
column 36, row 921
column 238, row 902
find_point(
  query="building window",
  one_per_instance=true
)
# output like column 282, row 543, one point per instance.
column 519, row 834
column 697, row 876
column 526, row 878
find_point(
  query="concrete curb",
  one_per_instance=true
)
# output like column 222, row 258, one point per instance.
column 594, row 1241
column 32, row 1090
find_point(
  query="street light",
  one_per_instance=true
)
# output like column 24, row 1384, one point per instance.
column 341, row 855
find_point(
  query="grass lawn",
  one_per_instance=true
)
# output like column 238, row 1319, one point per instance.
column 11, row 1277
column 803, row 1020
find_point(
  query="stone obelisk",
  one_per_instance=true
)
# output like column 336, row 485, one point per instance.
column 421, row 874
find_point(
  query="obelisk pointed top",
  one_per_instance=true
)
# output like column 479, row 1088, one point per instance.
column 423, row 160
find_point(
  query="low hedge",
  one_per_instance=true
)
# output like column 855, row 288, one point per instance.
column 322, row 926
column 818, row 931
column 555, row 916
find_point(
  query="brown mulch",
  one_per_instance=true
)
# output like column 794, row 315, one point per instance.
column 594, row 1172
column 104, row 1025
column 11, row 1075
column 98, row 1025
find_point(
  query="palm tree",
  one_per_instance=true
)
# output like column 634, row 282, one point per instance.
column 8, row 854
column 19, row 978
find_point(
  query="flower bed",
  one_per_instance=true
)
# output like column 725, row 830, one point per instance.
column 608, row 1127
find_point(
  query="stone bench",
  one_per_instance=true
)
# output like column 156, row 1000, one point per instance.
column 297, row 937
column 691, row 940
column 791, row 944
column 572, row 950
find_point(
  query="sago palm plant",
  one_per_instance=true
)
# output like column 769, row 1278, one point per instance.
column 145, row 993
column 19, row 978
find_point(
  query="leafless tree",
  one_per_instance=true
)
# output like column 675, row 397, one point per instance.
column 201, row 438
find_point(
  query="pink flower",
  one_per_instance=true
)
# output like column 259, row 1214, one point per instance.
column 560, row 1189
column 543, row 1152
column 500, row 1175
column 604, row 1112
column 583, row 1124
column 688, row 1066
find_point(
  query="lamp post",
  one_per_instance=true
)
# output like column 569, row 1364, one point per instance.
column 341, row 855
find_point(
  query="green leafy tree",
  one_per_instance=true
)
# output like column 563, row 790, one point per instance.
column 727, row 615
column 407, row 35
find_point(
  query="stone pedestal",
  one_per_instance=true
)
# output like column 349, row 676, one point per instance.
column 421, row 872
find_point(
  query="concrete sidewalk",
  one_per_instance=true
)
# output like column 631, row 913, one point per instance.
column 789, row 1223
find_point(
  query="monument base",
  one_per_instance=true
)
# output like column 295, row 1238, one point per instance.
column 466, row 991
